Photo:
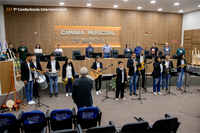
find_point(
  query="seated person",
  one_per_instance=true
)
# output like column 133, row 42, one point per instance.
column 58, row 49
column 38, row 49
column 12, row 50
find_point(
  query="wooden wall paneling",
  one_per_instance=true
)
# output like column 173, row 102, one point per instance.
column 187, row 34
column 21, row 25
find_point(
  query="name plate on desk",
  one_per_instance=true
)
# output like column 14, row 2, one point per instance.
column 79, row 36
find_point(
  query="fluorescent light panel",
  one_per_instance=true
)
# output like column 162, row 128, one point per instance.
column 180, row 10
column 115, row 6
column 139, row 7
column 176, row 4
column 89, row 4
column 160, row 9
column 61, row 3
column 153, row 1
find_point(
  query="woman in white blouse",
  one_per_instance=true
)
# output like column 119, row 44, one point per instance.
column 38, row 49
column 68, row 72
column 58, row 49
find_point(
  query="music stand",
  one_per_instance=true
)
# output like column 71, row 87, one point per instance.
column 107, row 78
column 186, row 83
column 139, row 98
column 40, row 104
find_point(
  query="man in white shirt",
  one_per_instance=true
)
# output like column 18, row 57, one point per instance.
column 53, row 66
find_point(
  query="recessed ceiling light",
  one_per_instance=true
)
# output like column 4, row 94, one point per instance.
column 62, row 3
column 125, row 0
column 139, row 7
column 199, row 5
column 89, row 4
column 153, row 1
column 160, row 9
column 115, row 6
column 180, row 10
column 176, row 4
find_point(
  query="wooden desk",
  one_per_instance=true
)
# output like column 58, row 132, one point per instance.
column 106, row 62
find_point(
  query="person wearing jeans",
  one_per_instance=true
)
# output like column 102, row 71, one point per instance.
column 133, row 73
column 167, row 65
column 53, row 66
column 28, row 78
column 68, row 72
column 106, row 50
column 157, row 75
column 96, row 65
column 180, row 71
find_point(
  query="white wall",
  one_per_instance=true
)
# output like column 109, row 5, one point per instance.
column 190, row 21
column 2, row 26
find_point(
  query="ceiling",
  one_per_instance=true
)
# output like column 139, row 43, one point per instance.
column 166, row 5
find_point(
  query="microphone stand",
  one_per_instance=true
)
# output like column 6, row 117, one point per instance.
column 140, row 99
column 146, row 91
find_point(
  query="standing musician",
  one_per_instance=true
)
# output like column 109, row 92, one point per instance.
column 180, row 71
column 35, row 85
column 97, row 64
column 53, row 66
column 120, row 81
column 167, row 65
column 133, row 73
column 68, row 72
column 141, row 59
column 28, row 78
column 157, row 75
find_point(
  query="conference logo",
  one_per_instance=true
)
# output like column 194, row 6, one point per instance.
column 9, row 9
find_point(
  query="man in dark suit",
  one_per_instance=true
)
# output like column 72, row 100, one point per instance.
column 28, row 77
column 36, row 75
column 167, row 64
column 81, row 90
column 133, row 73
column 121, row 80
column 141, row 59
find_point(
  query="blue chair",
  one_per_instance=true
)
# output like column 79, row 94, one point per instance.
column 103, row 129
column 77, row 130
column 33, row 121
column 9, row 123
column 88, row 117
column 60, row 119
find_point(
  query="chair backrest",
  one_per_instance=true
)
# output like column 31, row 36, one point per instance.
column 75, row 52
column 114, row 53
column 165, row 124
column 135, row 127
column 61, row 119
column 65, row 131
column 146, row 51
column 102, row 129
column 89, row 52
column 160, row 53
column 8, row 122
column 33, row 121
column 88, row 117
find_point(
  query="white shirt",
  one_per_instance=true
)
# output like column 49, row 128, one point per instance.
column 167, row 64
column 37, row 50
column 98, row 65
column 182, row 62
column 35, row 73
column 58, row 50
column 141, row 58
column 161, row 68
column 30, row 76
column 122, row 74
column 69, row 71
column 53, row 66
column 135, row 67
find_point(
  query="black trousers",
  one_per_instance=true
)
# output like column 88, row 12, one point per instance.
column 35, row 89
column 120, row 88
column 143, row 78
column 98, row 82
